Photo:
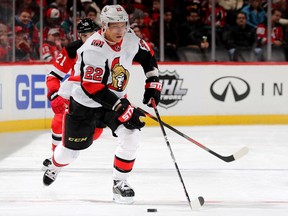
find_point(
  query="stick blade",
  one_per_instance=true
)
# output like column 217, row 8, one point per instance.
column 242, row 152
column 197, row 203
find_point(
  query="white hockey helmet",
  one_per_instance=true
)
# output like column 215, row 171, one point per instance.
column 113, row 13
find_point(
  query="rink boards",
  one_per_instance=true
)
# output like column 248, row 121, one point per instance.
column 192, row 94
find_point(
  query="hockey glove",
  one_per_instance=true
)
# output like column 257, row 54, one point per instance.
column 152, row 90
column 128, row 115
column 58, row 103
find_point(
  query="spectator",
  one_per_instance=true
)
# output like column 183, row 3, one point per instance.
column 155, row 13
column 67, row 25
column 52, row 18
column 255, row 13
column 220, row 20
column 138, row 32
column 187, row 5
column 192, row 33
column 6, row 12
column 91, row 13
column 276, row 4
column 240, row 38
column 139, row 19
column 231, row 4
column 137, row 12
column 277, row 36
column 61, row 5
column 142, row 4
column 282, row 6
column 32, row 5
column 53, row 21
column 5, row 46
column 50, row 50
column 194, row 5
column 220, row 15
column 232, row 7
column 103, row 3
column 23, row 19
column 22, row 45
column 85, row 4
column 170, row 35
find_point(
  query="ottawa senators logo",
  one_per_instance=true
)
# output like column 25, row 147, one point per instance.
column 120, row 76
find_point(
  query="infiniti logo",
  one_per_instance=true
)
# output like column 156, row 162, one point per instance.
column 240, row 88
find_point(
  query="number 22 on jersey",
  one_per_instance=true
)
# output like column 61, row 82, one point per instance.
column 93, row 74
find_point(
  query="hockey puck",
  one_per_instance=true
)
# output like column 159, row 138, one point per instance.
column 151, row 210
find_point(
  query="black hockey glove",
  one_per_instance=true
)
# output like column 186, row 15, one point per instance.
column 128, row 115
column 152, row 90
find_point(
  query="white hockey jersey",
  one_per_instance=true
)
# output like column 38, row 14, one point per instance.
column 99, row 64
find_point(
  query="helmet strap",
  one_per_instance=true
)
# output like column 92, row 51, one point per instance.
column 110, row 42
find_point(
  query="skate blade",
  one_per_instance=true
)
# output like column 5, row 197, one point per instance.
column 122, row 200
column 44, row 168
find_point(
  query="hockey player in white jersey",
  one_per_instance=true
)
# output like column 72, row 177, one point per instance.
column 103, row 68
column 58, row 91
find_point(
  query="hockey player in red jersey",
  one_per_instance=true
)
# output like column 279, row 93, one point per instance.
column 59, row 97
column 103, row 66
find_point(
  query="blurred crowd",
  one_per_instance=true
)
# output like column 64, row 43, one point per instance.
column 240, row 26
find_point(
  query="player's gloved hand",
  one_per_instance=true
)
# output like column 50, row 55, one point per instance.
column 128, row 115
column 152, row 90
column 58, row 103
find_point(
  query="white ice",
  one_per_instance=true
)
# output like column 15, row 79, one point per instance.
column 256, row 184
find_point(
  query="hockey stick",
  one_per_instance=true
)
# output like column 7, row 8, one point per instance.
column 242, row 152
column 197, row 203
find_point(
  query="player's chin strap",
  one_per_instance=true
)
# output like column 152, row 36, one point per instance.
column 109, row 42
column 103, row 29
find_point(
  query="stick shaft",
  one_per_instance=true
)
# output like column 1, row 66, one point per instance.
column 171, row 152
column 224, row 158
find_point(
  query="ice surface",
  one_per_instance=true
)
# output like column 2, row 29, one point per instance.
column 256, row 184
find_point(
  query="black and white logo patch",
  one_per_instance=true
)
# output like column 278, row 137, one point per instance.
column 172, row 91
column 239, row 88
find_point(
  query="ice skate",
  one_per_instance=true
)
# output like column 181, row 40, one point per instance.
column 122, row 192
column 46, row 164
column 50, row 175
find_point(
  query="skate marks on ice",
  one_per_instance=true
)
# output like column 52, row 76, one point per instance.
column 254, row 185
column 89, row 207
column 90, row 189
column 12, row 142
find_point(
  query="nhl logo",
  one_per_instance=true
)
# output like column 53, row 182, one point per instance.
column 171, row 92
